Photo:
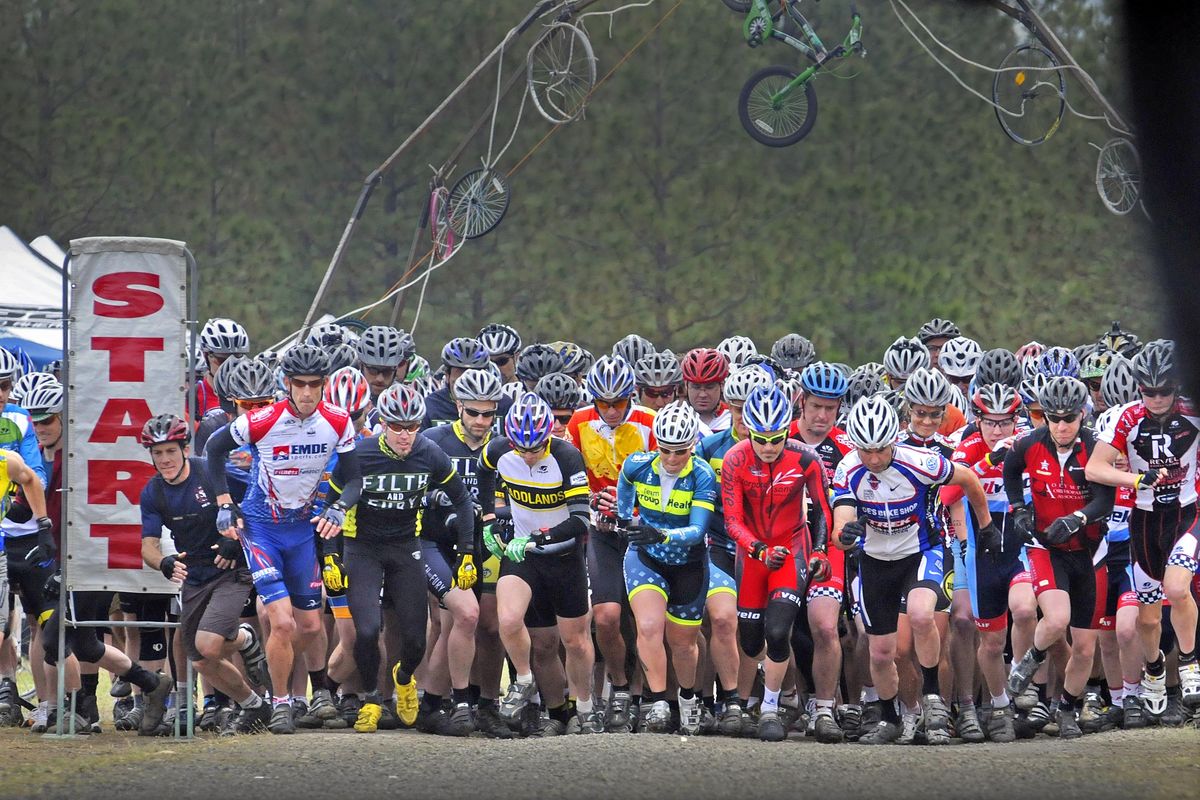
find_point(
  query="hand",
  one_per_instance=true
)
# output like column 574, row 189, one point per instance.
column 173, row 568
column 1023, row 524
column 989, row 538
column 230, row 520
column 604, row 503
column 818, row 567
column 516, row 549
column 333, row 574
column 774, row 557
column 437, row 497
column 851, row 532
column 330, row 521
column 465, row 573
column 643, row 535
column 52, row 588
column 494, row 535
column 1150, row 479
column 228, row 552
column 44, row 551
column 241, row 459
column 996, row 457
column 1062, row 529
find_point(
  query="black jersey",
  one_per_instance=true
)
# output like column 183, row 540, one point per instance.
column 188, row 511
column 453, row 442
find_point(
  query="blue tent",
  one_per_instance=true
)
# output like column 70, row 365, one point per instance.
column 39, row 354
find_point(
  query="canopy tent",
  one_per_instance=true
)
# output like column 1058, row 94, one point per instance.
column 31, row 305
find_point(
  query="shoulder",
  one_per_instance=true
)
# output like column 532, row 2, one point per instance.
column 336, row 416
column 703, row 471
column 637, row 461
column 841, row 439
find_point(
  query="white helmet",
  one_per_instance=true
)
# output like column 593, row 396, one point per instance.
column 960, row 357
column 905, row 356
column 742, row 381
column 477, row 384
column 676, row 425
column 222, row 336
column 927, row 387
column 872, row 423
column 737, row 349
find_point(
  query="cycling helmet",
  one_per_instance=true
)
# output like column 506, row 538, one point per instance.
column 529, row 422
column 327, row 335
column 400, row 403
column 704, row 365
column 821, row 379
column 23, row 386
column 559, row 390
column 250, row 379
column 789, row 384
column 222, row 336
column 996, row 398
column 1058, row 361
column 268, row 357
column 658, row 369
column 1063, row 395
column 417, row 368
column 998, row 366
column 342, row 355
column 1119, row 386
column 220, row 378
column 1029, row 369
column 904, row 356
column 610, row 378
column 960, row 357
column 494, row 370
column 737, row 349
column 938, row 328
column 1095, row 364
column 513, row 389
column 676, row 425
column 1083, row 351
column 1120, row 341
column 425, row 385
column 348, row 389
column 304, row 359
column 465, row 353
column 165, row 428
column 793, row 351
column 45, row 399
column 1030, row 350
column 957, row 398
column 895, row 398
column 765, row 361
column 576, row 360
column 927, row 387
column 767, row 410
column 538, row 360
column 633, row 348
column 385, row 347
column 477, row 384
column 743, row 381
column 872, row 423
column 1154, row 366
column 498, row 338
column 876, row 367
column 1031, row 388
column 863, row 383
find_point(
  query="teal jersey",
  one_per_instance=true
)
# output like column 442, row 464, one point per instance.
column 682, row 511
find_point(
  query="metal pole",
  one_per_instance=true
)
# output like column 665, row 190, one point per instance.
column 63, row 453
column 398, row 308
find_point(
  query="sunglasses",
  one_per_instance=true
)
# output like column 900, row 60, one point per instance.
column 404, row 427
column 922, row 414
column 563, row 419
column 471, row 412
column 1162, row 391
column 501, row 361
column 43, row 420
column 1061, row 417
column 963, row 381
column 768, row 438
column 1000, row 423
column 313, row 384
column 386, row 372
column 251, row 405
column 1036, row 415
column 535, row 449
column 6, row 386
column 615, row 405
column 674, row 451
column 668, row 391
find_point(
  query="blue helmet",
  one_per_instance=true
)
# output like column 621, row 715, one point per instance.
column 821, row 379
column 529, row 422
column 1058, row 362
column 610, row 378
column 767, row 409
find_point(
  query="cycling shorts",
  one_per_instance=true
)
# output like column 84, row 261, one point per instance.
column 758, row 585
column 606, row 566
column 283, row 562
column 990, row 576
column 440, row 559
column 835, row 585
column 558, row 585
column 721, row 570
column 1071, row 571
column 1166, row 536
column 27, row 580
column 884, row 586
column 683, row 586
column 944, row 590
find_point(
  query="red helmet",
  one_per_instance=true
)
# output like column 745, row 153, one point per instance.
column 165, row 428
column 704, row 365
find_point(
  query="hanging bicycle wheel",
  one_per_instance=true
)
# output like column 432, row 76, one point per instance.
column 444, row 242
column 1030, row 94
column 478, row 202
column 1119, row 176
column 560, row 72
column 772, row 118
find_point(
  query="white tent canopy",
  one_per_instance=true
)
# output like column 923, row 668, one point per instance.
column 31, row 304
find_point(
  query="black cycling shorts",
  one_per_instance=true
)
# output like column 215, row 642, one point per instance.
column 606, row 567
column 558, row 583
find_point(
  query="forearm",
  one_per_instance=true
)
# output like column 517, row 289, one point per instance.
column 152, row 553
column 1101, row 504
column 219, row 446
column 347, row 475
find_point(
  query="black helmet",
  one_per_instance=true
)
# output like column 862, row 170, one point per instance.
column 1154, row 366
column 1063, row 395
column 304, row 359
column 559, row 390
column 250, row 379
column 220, row 378
column 998, row 366
column 538, row 360
column 938, row 328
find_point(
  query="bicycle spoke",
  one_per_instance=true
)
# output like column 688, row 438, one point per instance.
column 1029, row 93
column 561, row 71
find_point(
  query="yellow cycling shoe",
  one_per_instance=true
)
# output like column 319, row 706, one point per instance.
column 407, row 703
column 368, row 718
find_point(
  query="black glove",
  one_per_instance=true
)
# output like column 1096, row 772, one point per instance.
column 228, row 549
column 167, row 566
column 53, row 586
column 227, row 517
column 335, row 513
column 1062, row 529
column 622, row 526
column 644, row 534
column 45, row 549
column 437, row 497
column 1148, row 480
column 1022, row 523
column 996, row 457
column 989, row 538
column 852, row 531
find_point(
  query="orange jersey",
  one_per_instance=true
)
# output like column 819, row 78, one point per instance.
column 604, row 448
column 953, row 421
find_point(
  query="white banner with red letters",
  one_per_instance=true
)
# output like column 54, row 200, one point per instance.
column 127, row 360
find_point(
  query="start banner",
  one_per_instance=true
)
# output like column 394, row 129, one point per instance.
column 127, row 360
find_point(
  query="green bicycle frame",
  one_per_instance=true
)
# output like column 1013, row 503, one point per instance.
column 760, row 25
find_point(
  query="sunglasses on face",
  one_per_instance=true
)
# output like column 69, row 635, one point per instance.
column 922, row 414
column 615, row 405
column 313, row 384
column 527, row 450
column 404, row 427
column 251, row 405
column 1061, row 417
column 1162, row 391
column 376, row 372
column 668, row 391
column 1036, row 415
column 999, row 423
column 768, row 438
column 501, row 361
column 563, row 419
column 42, row 421
column 674, row 451
column 1093, row 384
column 471, row 412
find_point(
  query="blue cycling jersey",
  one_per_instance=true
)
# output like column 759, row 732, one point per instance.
column 679, row 506
column 712, row 450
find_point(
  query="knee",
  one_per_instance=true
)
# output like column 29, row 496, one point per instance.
column 991, row 645
column 962, row 623
column 210, row 649
column 750, row 636
column 650, row 630
column 283, row 627
column 510, row 622
column 467, row 619
column 607, row 616
column 921, row 621
column 824, row 631
column 488, row 625
column 882, row 655
column 724, row 625
column 1178, row 591
column 1024, row 614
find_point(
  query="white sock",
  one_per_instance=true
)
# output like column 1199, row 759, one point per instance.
column 525, row 679
column 1133, row 689
column 869, row 695
column 584, row 706
column 824, row 704
column 253, row 701
column 285, row 700
column 770, row 701
column 1000, row 700
column 1118, row 695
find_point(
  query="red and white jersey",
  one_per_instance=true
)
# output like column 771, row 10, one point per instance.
column 290, row 456
column 972, row 452
column 1152, row 444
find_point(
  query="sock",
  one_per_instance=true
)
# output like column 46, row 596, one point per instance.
column 869, row 694
column 824, row 704
column 620, row 687
column 1117, row 694
column 372, row 698
column 253, row 701
column 1041, row 692
column 687, row 694
column 584, row 707
column 561, row 713
column 651, row 697
column 710, row 703
column 474, row 691
column 1132, row 689
column 332, row 685
column 750, row 703
column 90, row 682
column 1156, row 668
column 431, row 702
column 485, row 702
column 1000, row 700
column 317, row 679
column 285, row 700
column 141, row 677
column 929, row 679
column 524, row 678
column 460, row 696
column 1067, row 701
column 1038, row 655
column 890, row 712
column 1188, row 657
column 770, row 700
column 726, row 695
column 220, row 698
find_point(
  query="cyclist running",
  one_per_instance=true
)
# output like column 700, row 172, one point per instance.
column 543, row 580
column 502, row 343
column 384, row 354
column 606, row 433
column 659, row 379
column 704, row 374
column 1066, row 523
column 292, row 441
column 885, row 494
column 765, row 485
column 1158, row 436
column 458, row 356
column 666, row 565
column 735, row 673
column 220, row 338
